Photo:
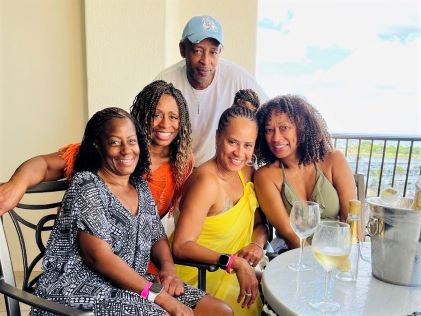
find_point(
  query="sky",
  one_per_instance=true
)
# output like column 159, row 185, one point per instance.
column 358, row 62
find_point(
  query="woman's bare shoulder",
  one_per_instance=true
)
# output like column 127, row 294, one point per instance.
column 268, row 172
column 267, row 169
column 202, row 176
column 334, row 157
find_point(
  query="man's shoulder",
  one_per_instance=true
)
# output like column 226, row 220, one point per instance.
column 172, row 71
column 238, row 78
column 227, row 66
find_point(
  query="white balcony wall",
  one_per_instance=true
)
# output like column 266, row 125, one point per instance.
column 60, row 61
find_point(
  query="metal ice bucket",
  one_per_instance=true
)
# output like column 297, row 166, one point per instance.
column 395, row 243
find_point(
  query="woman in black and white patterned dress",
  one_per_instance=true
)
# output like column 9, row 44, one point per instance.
column 108, row 229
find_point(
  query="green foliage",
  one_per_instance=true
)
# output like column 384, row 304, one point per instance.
column 377, row 149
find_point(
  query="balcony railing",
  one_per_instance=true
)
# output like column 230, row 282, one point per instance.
column 384, row 160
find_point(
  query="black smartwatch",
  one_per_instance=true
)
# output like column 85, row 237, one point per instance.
column 154, row 291
column 223, row 261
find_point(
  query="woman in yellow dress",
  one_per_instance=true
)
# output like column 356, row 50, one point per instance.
column 218, row 222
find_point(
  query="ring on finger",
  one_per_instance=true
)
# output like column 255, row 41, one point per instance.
column 251, row 263
column 248, row 294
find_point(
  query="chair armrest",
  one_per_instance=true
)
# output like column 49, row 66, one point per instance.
column 201, row 270
column 38, row 302
column 200, row 265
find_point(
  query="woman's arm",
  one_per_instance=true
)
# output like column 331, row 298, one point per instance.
column 31, row 172
column 162, row 257
column 201, row 194
column 270, row 202
column 98, row 256
column 253, row 252
column 342, row 180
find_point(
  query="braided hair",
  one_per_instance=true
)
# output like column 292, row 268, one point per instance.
column 88, row 157
column 144, row 108
column 233, row 112
column 247, row 95
column 314, row 140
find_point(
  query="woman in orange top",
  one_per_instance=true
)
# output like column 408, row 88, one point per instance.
column 162, row 113
column 160, row 110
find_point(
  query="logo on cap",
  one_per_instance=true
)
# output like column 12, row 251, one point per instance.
column 208, row 24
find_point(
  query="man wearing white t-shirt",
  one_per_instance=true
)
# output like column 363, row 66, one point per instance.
column 208, row 83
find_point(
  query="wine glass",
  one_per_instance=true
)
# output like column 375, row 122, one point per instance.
column 330, row 246
column 304, row 218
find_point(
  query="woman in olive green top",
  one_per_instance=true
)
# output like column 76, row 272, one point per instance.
column 299, row 164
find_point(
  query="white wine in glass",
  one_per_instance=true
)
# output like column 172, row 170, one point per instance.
column 330, row 246
column 304, row 218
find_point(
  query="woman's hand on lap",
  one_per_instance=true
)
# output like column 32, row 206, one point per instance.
column 172, row 305
column 173, row 285
column 248, row 282
column 252, row 253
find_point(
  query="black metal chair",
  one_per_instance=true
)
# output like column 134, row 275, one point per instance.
column 202, row 269
column 8, row 288
column 13, row 295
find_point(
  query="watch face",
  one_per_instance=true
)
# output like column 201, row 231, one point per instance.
column 223, row 261
column 156, row 288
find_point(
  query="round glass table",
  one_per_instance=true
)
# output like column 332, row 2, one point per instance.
column 288, row 292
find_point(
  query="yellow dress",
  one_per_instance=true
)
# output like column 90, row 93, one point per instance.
column 227, row 232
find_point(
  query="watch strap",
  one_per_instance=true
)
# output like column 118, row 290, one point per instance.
column 153, row 293
column 230, row 262
column 145, row 291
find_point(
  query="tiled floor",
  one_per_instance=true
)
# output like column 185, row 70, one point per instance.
column 24, row 308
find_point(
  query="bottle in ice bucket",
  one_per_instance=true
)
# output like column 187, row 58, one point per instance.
column 348, row 270
column 416, row 205
column 389, row 196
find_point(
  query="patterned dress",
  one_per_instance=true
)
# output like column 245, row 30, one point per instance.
column 90, row 206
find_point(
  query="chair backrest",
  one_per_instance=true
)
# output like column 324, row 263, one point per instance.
column 45, row 223
column 36, row 228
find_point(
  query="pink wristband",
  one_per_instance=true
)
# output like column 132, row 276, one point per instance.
column 145, row 291
column 230, row 262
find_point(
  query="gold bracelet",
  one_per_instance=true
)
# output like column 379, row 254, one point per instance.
column 255, row 243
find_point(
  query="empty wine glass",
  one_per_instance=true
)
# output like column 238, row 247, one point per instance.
column 330, row 246
column 304, row 218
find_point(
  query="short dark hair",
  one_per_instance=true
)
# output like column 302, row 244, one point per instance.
column 314, row 140
column 89, row 159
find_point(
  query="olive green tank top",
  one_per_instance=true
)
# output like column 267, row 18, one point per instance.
column 323, row 193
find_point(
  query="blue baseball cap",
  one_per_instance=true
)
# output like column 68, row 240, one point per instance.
column 200, row 27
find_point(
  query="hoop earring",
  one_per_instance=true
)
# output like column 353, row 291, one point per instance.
column 253, row 161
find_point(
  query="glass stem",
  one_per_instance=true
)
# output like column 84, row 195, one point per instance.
column 327, row 280
column 301, row 252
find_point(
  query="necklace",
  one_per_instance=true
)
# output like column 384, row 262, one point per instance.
column 196, row 98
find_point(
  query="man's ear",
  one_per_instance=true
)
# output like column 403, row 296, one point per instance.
column 182, row 47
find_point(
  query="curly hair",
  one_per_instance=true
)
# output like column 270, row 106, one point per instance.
column 144, row 108
column 248, row 95
column 314, row 140
column 88, row 157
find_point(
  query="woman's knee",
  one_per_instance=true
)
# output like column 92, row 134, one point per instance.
column 210, row 305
